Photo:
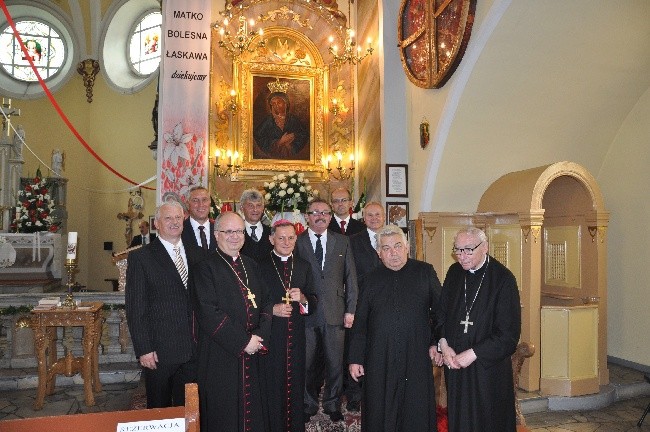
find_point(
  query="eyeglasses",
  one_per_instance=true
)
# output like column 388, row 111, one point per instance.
column 232, row 232
column 467, row 251
column 340, row 200
column 319, row 213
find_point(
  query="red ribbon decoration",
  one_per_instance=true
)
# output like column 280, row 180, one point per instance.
column 54, row 102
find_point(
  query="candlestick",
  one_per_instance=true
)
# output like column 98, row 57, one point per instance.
column 72, row 246
column 351, row 161
column 229, row 154
column 71, row 268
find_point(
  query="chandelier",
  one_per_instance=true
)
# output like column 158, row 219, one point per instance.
column 351, row 52
column 237, row 43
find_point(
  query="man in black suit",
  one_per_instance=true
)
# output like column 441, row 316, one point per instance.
column 335, row 281
column 158, row 311
column 256, row 243
column 342, row 223
column 145, row 236
column 366, row 259
column 197, row 229
column 364, row 243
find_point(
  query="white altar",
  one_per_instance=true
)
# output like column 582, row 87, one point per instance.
column 29, row 261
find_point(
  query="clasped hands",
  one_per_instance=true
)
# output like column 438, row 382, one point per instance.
column 254, row 345
column 449, row 358
column 283, row 310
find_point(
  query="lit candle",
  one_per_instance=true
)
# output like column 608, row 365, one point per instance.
column 329, row 159
column 217, row 155
column 351, row 161
column 72, row 246
column 339, row 156
column 235, row 157
column 229, row 154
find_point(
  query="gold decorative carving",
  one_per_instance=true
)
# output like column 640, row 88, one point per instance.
column 526, row 230
column 286, row 14
column 288, row 56
column 597, row 232
column 88, row 69
column 431, row 232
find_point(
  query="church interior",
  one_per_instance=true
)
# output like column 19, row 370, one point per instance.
column 528, row 119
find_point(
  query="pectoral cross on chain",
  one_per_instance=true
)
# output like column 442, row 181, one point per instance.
column 287, row 298
column 251, row 297
column 466, row 323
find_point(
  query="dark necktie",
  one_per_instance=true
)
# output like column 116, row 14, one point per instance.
column 144, row 240
column 319, row 251
column 343, row 226
column 204, row 239
column 253, row 235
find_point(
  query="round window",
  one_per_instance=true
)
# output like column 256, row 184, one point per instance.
column 44, row 45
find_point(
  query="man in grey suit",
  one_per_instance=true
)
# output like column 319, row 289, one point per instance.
column 158, row 311
column 335, row 281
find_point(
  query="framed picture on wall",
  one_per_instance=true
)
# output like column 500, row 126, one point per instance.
column 397, row 213
column 397, row 180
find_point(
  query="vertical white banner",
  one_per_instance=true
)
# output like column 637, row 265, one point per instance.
column 184, row 97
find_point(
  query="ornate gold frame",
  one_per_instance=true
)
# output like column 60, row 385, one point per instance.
column 245, row 70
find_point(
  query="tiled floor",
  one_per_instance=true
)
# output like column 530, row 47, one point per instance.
column 619, row 416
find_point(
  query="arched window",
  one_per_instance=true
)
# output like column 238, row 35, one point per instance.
column 144, row 46
column 44, row 44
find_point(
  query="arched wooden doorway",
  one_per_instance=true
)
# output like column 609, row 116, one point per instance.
column 558, row 204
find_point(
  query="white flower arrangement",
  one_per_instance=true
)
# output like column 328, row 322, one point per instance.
column 290, row 191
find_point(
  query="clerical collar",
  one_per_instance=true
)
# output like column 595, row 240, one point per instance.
column 282, row 258
column 479, row 267
column 226, row 256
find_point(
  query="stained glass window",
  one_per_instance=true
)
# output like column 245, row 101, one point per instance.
column 144, row 47
column 44, row 44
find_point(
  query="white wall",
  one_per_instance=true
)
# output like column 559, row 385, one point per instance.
column 624, row 179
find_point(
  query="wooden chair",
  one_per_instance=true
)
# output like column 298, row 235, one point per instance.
column 107, row 421
column 524, row 350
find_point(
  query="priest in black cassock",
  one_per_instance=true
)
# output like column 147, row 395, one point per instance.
column 480, row 324
column 291, row 287
column 231, row 303
column 392, row 344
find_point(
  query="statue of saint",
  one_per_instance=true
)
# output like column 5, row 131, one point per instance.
column 57, row 161
column 19, row 140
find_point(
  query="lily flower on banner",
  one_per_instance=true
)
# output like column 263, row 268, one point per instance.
column 176, row 144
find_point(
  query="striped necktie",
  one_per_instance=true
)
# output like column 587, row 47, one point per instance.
column 180, row 265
